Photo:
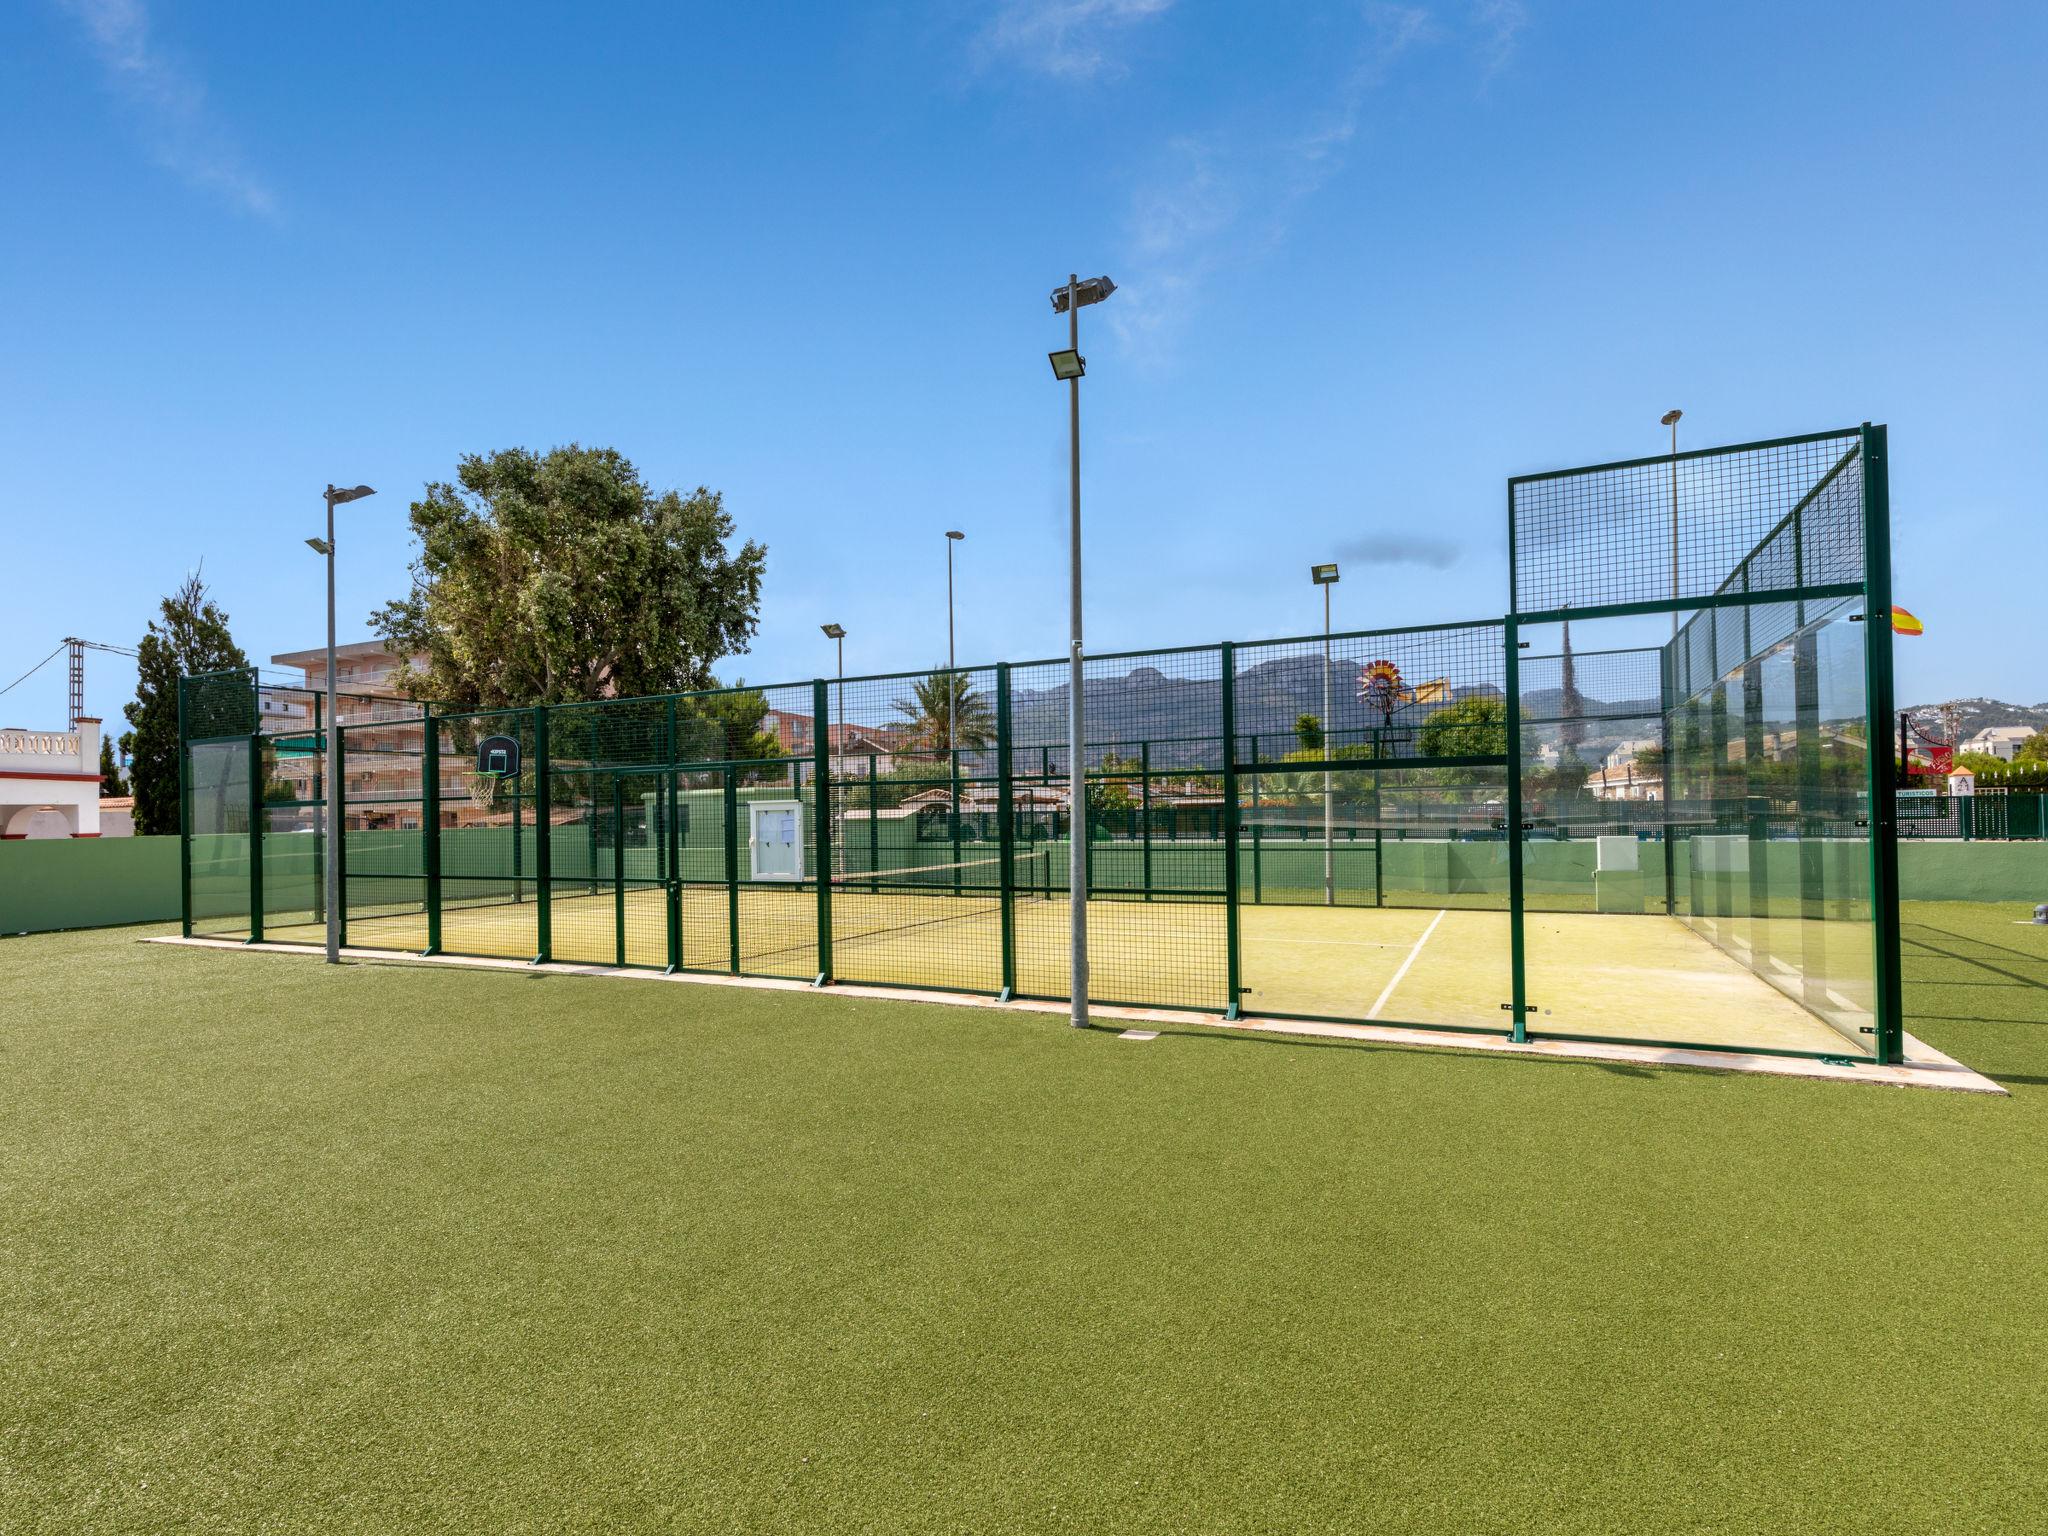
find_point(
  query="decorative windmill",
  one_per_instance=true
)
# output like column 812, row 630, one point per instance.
column 1380, row 687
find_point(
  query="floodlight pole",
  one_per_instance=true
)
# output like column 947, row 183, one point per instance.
column 332, row 798
column 329, row 799
column 1077, row 786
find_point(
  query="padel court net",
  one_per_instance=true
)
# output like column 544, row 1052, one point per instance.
column 1641, row 806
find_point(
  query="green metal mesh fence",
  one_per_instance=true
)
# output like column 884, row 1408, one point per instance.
column 1638, row 807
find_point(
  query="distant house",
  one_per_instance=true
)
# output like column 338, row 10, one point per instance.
column 1628, row 751
column 1625, row 782
column 2000, row 741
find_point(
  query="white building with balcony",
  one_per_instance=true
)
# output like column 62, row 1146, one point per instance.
column 50, row 782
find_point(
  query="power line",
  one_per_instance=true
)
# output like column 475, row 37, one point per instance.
column 32, row 671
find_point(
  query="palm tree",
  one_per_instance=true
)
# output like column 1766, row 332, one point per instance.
column 944, row 708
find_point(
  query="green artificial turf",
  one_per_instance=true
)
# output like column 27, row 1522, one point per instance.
column 292, row 1248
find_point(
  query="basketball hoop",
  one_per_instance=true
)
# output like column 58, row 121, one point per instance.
column 483, row 790
column 497, row 759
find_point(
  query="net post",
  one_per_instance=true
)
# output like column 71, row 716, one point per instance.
column 1145, row 809
column 430, row 822
column 1006, row 833
column 543, row 843
column 255, row 833
column 619, row 869
column 1231, row 969
column 1880, row 710
column 821, row 818
column 184, row 818
column 1518, row 996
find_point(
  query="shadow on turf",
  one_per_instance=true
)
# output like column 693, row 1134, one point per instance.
column 1926, row 939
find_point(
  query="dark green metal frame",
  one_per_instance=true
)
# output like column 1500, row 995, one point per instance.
column 1233, row 762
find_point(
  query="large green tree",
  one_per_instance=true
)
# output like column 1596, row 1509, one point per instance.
column 1475, row 726
column 191, row 635
column 546, row 578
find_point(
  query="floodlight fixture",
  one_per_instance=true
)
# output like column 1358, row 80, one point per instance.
column 833, row 631
column 320, row 546
column 1669, row 418
column 1067, row 365
column 1091, row 290
column 1322, row 575
column 356, row 494
column 952, row 533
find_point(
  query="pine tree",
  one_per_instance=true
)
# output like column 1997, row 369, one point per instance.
column 191, row 637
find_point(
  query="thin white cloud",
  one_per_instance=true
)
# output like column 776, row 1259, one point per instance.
column 1073, row 39
column 168, row 103
column 1497, row 28
column 1225, row 195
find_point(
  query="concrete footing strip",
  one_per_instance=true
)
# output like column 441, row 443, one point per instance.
column 1924, row 1066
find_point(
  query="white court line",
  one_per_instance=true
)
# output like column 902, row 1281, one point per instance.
column 1337, row 943
column 1381, row 1002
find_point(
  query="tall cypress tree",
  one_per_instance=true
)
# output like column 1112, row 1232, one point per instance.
column 110, row 771
column 192, row 636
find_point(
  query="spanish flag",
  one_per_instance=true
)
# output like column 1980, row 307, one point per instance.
column 1903, row 623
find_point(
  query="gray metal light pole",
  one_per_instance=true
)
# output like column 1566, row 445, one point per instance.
column 1325, row 576
column 328, row 800
column 1070, row 366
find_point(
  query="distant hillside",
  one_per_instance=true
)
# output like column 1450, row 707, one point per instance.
column 1974, row 715
column 1180, row 715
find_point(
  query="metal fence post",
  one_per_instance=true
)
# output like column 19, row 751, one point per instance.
column 1877, row 662
column 619, row 869
column 337, row 822
column 821, row 816
column 671, row 845
column 732, row 867
column 874, row 825
column 255, row 837
column 1233, row 982
column 430, row 823
column 1006, row 833
column 543, row 843
column 1145, row 809
column 184, row 818
column 1518, row 994
column 320, row 842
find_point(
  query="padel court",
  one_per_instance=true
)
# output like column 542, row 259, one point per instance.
column 1590, row 974
column 1643, row 806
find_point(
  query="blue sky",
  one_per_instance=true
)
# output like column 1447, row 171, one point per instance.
column 1374, row 259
